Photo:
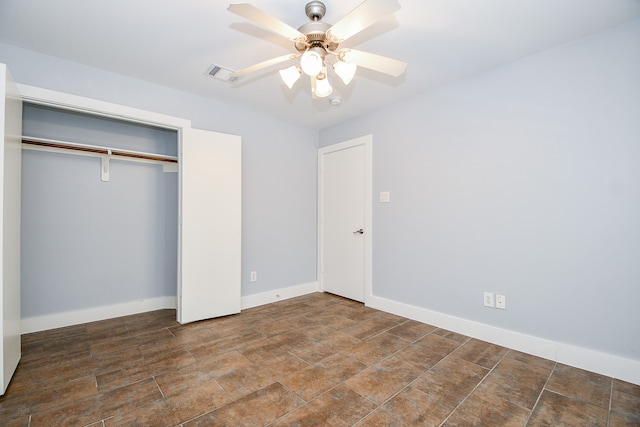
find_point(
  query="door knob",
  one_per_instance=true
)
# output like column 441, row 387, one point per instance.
column 361, row 231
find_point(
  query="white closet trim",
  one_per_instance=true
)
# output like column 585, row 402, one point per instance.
column 65, row 101
column 36, row 95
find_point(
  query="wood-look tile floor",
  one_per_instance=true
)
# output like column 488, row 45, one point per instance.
column 316, row 360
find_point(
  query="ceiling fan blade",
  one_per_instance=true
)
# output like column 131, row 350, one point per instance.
column 382, row 64
column 265, row 64
column 254, row 14
column 364, row 15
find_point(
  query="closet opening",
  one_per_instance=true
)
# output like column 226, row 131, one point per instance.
column 99, row 212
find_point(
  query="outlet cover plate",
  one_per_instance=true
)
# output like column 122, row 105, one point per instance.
column 488, row 299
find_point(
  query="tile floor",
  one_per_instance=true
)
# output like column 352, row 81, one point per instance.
column 316, row 360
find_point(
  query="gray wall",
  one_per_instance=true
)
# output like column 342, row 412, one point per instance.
column 525, row 181
column 278, row 161
column 88, row 243
column 522, row 180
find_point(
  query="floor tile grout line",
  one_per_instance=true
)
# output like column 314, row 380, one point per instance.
column 378, row 405
column 409, row 345
column 297, row 407
column 321, row 394
column 415, row 379
column 577, row 398
column 183, row 422
column 158, row 385
column 476, row 386
column 420, row 337
column 299, row 358
column 292, row 391
column 610, row 403
column 411, row 382
column 544, row 387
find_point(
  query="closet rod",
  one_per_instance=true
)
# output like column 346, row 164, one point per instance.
column 65, row 145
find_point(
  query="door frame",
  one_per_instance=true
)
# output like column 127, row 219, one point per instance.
column 10, row 201
column 96, row 107
column 367, row 142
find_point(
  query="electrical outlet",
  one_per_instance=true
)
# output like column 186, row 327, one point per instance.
column 501, row 302
column 254, row 276
column 488, row 299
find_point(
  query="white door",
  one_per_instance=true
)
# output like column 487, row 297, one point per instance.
column 345, row 218
column 210, row 218
column 10, row 175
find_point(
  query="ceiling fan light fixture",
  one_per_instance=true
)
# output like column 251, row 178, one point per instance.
column 290, row 75
column 345, row 70
column 322, row 86
column 316, row 39
column 312, row 61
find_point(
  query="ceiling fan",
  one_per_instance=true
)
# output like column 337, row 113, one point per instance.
column 317, row 44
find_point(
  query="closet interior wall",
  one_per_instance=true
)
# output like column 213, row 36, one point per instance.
column 87, row 243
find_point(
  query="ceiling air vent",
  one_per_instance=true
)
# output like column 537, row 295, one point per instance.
column 221, row 73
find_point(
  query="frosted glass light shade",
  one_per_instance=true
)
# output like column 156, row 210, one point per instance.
column 290, row 75
column 345, row 71
column 311, row 62
column 323, row 88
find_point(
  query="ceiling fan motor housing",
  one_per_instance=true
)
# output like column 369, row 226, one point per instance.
column 315, row 36
column 315, row 10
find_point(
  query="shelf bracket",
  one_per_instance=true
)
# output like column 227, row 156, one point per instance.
column 105, row 167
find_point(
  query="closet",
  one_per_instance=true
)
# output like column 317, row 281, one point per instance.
column 97, row 229
column 178, row 236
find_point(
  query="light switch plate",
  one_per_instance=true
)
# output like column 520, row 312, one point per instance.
column 384, row 197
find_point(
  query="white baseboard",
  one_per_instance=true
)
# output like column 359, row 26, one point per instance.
column 579, row 357
column 69, row 318
column 263, row 298
column 76, row 317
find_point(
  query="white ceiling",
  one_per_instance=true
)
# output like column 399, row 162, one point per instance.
column 175, row 42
